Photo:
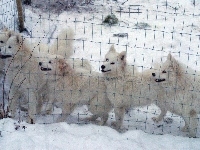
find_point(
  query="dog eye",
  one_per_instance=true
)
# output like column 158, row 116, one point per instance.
column 1, row 41
column 9, row 47
column 50, row 62
column 107, row 59
column 112, row 63
column 164, row 71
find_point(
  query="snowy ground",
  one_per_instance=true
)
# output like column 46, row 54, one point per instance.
column 171, row 26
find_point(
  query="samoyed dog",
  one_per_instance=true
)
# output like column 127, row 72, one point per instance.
column 182, row 87
column 5, row 34
column 71, row 84
column 22, row 74
column 126, row 87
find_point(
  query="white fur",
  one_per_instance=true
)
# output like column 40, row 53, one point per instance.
column 72, row 83
column 126, row 87
column 182, row 86
column 5, row 34
column 22, row 75
column 62, row 43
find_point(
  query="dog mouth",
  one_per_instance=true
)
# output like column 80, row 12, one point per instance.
column 5, row 56
column 105, row 70
column 159, row 80
column 45, row 69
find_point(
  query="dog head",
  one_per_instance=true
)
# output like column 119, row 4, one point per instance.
column 114, row 62
column 4, row 36
column 54, row 65
column 14, row 45
column 169, row 71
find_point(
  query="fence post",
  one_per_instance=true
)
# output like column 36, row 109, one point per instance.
column 20, row 15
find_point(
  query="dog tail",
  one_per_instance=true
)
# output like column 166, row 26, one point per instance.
column 64, row 43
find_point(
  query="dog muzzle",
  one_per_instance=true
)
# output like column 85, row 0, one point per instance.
column 159, row 80
column 105, row 70
column 5, row 56
column 45, row 69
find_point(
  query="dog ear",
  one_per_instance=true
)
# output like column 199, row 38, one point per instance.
column 17, row 38
column 112, row 49
column 174, row 64
column 62, row 65
column 172, row 60
column 122, row 56
column 169, row 56
column 10, row 33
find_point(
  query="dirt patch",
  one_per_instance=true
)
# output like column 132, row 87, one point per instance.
column 58, row 6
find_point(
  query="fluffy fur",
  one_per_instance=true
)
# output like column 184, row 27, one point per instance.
column 126, row 88
column 5, row 34
column 70, row 86
column 21, row 72
column 63, row 43
column 21, row 75
column 181, row 85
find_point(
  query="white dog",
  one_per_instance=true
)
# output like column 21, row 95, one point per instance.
column 21, row 73
column 49, row 65
column 127, row 87
column 181, row 86
column 5, row 34
column 71, row 85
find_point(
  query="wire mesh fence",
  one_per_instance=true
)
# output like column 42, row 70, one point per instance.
column 146, row 31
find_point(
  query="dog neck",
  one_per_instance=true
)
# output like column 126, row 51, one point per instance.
column 120, row 74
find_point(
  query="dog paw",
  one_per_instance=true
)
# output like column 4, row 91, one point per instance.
column 97, row 122
column 155, row 119
column 115, row 126
column 30, row 120
column 185, row 129
column 89, row 121
column 48, row 112
column 168, row 120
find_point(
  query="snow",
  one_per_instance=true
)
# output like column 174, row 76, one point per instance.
column 173, row 27
column 64, row 136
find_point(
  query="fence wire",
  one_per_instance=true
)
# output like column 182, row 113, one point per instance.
column 146, row 32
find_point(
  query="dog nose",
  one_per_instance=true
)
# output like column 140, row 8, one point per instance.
column 103, row 67
column 40, row 63
column 153, row 74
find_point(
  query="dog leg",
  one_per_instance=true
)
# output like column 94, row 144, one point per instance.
column 48, row 101
column 119, row 117
column 191, row 123
column 13, row 98
column 104, row 119
column 67, row 109
column 42, row 96
column 32, row 104
column 99, row 106
column 161, row 116
column 92, row 119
